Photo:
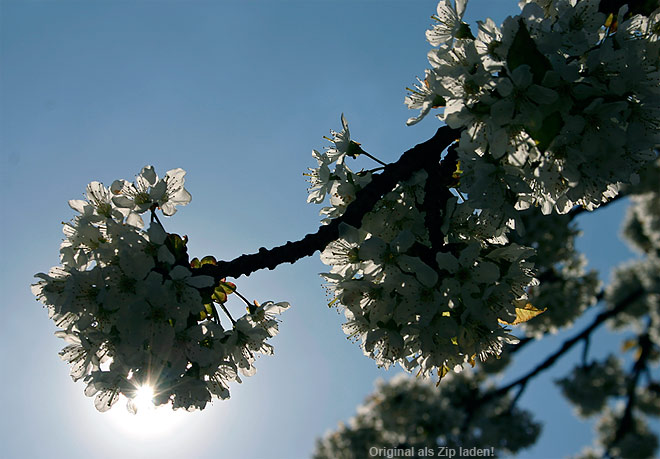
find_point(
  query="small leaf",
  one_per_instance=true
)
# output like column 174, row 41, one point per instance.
column 177, row 246
column 523, row 51
column 208, row 260
column 219, row 295
column 524, row 314
column 550, row 128
column 628, row 344
column 472, row 360
column 227, row 287
column 442, row 372
column 222, row 290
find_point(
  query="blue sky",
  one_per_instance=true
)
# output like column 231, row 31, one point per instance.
column 237, row 94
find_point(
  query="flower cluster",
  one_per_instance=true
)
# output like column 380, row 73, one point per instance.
column 340, row 184
column 635, row 292
column 589, row 386
column 566, row 289
column 412, row 413
column 559, row 106
column 638, row 441
column 642, row 225
column 133, row 309
column 430, row 309
column 637, row 285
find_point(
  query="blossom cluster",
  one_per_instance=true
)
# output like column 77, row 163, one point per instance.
column 410, row 412
column 429, row 309
column 637, row 283
column 566, row 288
column 559, row 105
column 638, row 441
column 635, row 291
column 590, row 385
column 132, row 308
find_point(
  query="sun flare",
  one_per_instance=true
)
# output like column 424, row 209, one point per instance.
column 148, row 420
column 144, row 398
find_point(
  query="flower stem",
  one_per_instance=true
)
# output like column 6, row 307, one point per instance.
column 374, row 158
column 243, row 298
column 154, row 217
column 222, row 305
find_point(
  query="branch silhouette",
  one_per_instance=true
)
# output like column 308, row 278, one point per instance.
column 419, row 157
column 565, row 347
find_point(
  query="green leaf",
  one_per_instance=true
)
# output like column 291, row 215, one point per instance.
column 208, row 260
column 219, row 295
column 550, row 128
column 228, row 287
column 223, row 289
column 523, row 51
column 177, row 246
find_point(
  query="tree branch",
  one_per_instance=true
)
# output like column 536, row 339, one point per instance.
column 436, row 196
column 626, row 421
column 566, row 346
column 412, row 160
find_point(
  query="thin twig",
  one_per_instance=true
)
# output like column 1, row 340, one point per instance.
column 521, row 389
column 154, row 217
column 222, row 305
column 243, row 298
column 566, row 346
column 585, row 351
column 374, row 158
column 626, row 422
column 370, row 171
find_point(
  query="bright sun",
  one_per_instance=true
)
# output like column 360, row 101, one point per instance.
column 150, row 421
column 144, row 398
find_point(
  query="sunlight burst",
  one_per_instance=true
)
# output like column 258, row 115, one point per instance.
column 144, row 399
column 148, row 420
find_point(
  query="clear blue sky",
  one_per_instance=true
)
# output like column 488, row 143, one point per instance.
column 237, row 94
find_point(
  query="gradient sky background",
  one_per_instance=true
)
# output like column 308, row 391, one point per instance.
column 237, row 94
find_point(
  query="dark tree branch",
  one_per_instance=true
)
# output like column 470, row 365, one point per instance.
column 626, row 422
column 436, row 195
column 414, row 159
column 566, row 346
